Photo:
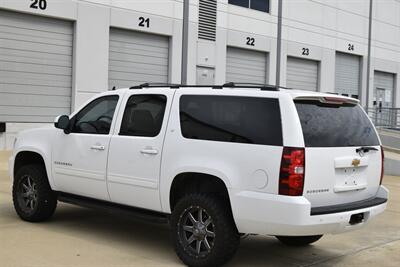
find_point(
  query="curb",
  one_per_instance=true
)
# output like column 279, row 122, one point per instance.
column 391, row 149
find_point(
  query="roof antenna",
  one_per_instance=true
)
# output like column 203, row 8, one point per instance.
column 113, row 89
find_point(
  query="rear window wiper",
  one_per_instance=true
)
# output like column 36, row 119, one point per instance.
column 366, row 149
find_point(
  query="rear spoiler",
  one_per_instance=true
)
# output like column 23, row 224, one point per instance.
column 330, row 99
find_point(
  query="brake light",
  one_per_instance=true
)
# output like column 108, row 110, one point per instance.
column 382, row 168
column 291, row 178
column 334, row 100
column 338, row 100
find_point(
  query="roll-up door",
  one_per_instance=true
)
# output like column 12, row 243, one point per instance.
column 347, row 75
column 35, row 67
column 137, row 57
column 383, row 88
column 302, row 74
column 246, row 66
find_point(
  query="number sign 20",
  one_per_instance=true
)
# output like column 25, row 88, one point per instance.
column 39, row 4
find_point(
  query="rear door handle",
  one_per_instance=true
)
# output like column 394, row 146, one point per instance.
column 98, row 147
column 149, row 151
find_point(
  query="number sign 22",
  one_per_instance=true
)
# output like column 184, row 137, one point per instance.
column 251, row 41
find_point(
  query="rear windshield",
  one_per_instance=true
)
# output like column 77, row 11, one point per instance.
column 234, row 119
column 335, row 125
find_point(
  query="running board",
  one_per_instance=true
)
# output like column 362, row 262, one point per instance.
column 115, row 209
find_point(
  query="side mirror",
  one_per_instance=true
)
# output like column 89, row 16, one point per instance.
column 62, row 122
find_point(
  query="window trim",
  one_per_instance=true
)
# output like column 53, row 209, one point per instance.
column 123, row 114
column 110, row 132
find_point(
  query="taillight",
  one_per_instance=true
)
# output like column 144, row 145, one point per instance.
column 382, row 168
column 291, row 178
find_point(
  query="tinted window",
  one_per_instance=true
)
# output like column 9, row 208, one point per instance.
column 261, row 5
column 96, row 117
column 243, row 3
column 231, row 119
column 143, row 115
column 335, row 125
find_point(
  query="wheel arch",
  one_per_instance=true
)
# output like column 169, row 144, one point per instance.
column 200, row 182
column 31, row 156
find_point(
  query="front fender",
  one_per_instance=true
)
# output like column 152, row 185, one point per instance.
column 37, row 141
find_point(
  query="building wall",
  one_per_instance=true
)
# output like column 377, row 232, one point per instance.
column 92, row 21
column 323, row 27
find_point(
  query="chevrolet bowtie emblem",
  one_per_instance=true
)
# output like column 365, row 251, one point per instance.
column 355, row 162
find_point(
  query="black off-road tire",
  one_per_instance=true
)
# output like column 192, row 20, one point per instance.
column 46, row 199
column 226, row 238
column 298, row 241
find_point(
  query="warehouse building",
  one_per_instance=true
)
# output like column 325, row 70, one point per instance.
column 55, row 55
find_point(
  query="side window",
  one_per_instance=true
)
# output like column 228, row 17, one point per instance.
column 234, row 119
column 96, row 117
column 143, row 115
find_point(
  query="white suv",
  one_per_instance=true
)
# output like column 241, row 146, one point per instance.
column 215, row 162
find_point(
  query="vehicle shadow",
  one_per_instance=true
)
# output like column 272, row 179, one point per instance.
column 154, row 240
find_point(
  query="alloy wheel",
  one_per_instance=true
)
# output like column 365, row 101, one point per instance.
column 27, row 194
column 196, row 231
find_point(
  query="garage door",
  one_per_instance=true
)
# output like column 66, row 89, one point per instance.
column 302, row 74
column 384, row 88
column 347, row 75
column 246, row 66
column 35, row 67
column 137, row 58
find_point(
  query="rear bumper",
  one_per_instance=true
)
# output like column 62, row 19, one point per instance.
column 260, row 213
column 348, row 207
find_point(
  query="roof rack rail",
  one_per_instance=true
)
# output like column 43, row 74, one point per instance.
column 263, row 87
column 173, row 86
column 149, row 85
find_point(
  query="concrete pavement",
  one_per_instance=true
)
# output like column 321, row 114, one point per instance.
column 81, row 237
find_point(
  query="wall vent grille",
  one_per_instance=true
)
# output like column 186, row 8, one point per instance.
column 207, row 19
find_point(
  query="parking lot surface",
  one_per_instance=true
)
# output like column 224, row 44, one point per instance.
column 81, row 237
